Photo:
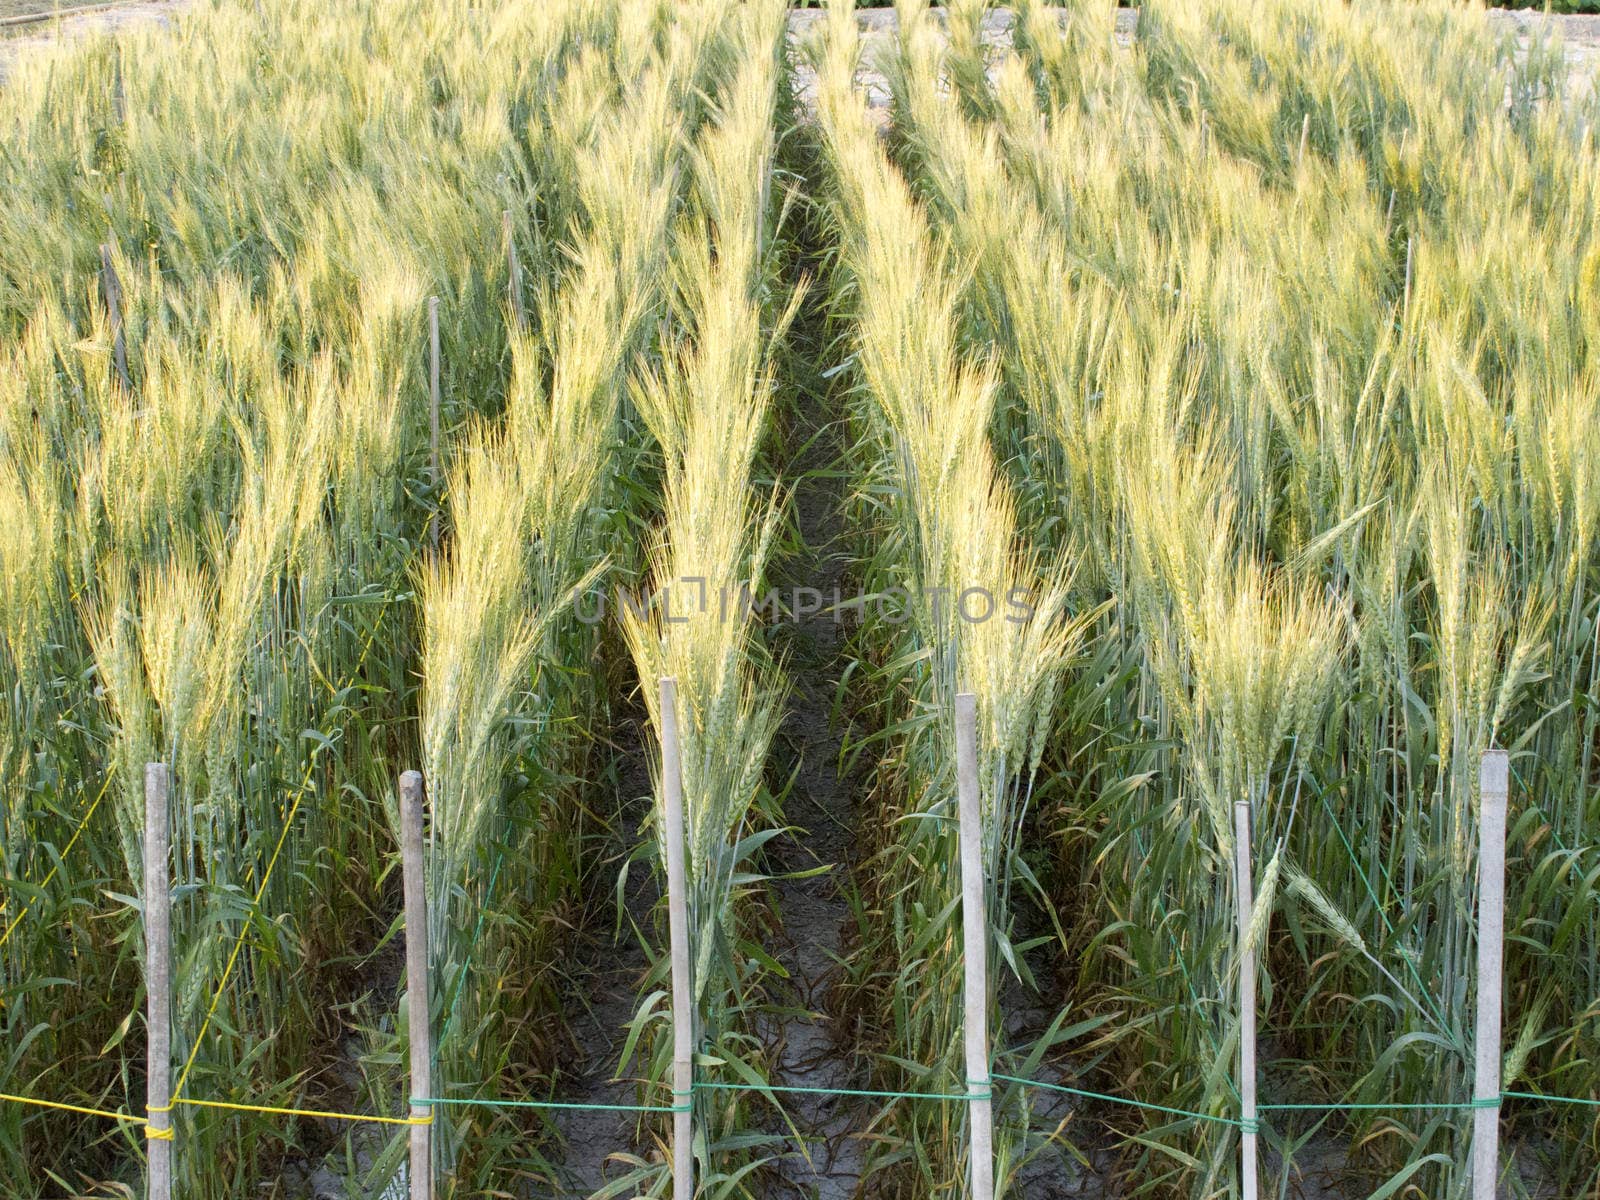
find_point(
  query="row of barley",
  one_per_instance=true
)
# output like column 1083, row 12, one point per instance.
column 709, row 410
column 985, row 613
column 1293, row 349
column 236, row 551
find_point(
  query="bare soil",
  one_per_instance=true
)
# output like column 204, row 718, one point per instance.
column 812, row 1048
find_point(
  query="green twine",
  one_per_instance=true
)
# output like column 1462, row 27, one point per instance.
column 1252, row 1125
column 1183, row 967
column 1438, row 1013
column 1551, row 1099
column 1161, row 1108
column 570, row 1105
column 1384, row 1106
column 823, row 1091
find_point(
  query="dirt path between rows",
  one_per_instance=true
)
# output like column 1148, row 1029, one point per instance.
column 601, row 1002
column 811, row 1048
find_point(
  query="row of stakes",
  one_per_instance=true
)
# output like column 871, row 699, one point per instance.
column 1494, row 779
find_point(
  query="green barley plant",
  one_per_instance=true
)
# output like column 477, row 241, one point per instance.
column 1209, row 237
column 536, row 514
column 223, row 576
column 943, row 530
column 707, row 409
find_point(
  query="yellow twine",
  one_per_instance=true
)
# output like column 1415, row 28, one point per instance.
column 283, row 836
column 244, row 931
column 71, row 842
column 74, row 1108
column 308, row 1112
column 166, row 1135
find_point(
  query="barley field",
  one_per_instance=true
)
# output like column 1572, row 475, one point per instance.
column 393, row 385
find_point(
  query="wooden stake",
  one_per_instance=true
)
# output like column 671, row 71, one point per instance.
column 51, row 14
column 1410, row 249
column 514, row 284
column 158, row 981
column 433, row 404
column 974, row 937
column 111, row 290
column 678, row 932
column 1493, row 785
column 1247, row 1002
column 118, row 102
column 1305, row 137
column 416, row 899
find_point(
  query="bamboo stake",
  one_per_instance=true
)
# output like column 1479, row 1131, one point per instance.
column 1493, row 785
column 678, row 932
column 974, row 924
column 111, row 289
column 1410, row 249
column 118, row 100
column 1247, row 1003
column 514, row 284
column 57, row 14
column 158, row 981
column 416, row 902
column 433, row 404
